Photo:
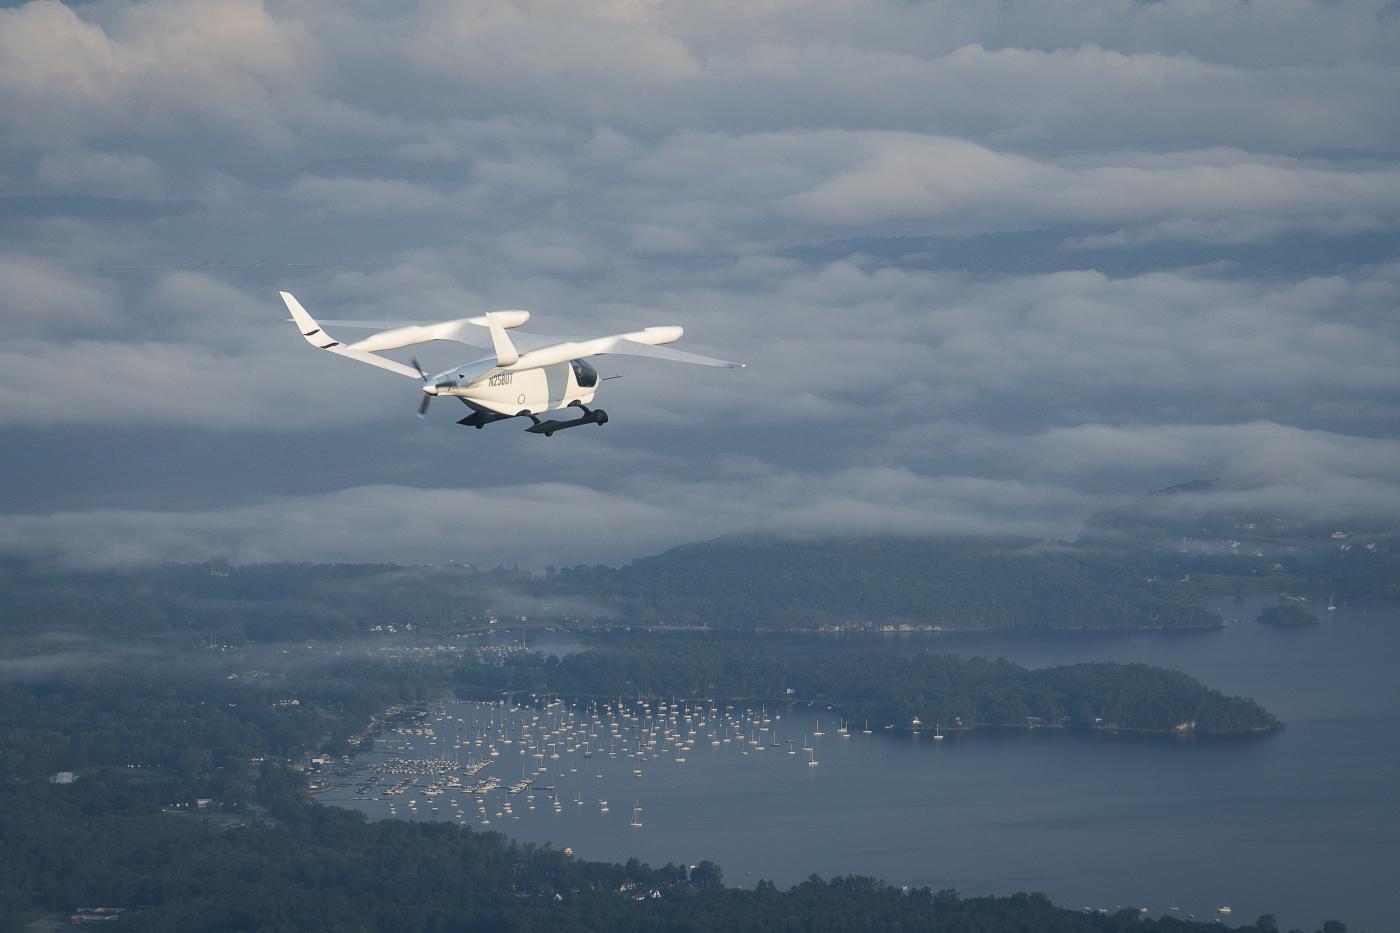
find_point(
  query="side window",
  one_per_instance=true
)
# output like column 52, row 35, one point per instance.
column 586, row 376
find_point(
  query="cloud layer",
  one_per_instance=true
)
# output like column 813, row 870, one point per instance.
column 991, row 269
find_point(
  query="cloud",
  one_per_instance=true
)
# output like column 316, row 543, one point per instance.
column 558, row 523
column 365, row 197
column 855, row 340
column 230, row 67
column 39, row 294
column 101, row 173
column 990, row 267
column 958, row 185
column 1291, row 473
column 1315, row 473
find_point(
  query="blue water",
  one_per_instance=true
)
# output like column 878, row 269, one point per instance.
column 1304, row 824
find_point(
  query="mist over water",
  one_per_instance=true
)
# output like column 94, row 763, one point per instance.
column 1304, row 824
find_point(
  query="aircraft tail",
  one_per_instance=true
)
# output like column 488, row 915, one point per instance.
column 321, row 340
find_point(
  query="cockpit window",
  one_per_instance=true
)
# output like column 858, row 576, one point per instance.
column 586, row 376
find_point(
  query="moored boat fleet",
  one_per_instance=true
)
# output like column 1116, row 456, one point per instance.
column 435, row 760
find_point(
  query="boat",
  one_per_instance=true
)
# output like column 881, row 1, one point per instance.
column 636, row 821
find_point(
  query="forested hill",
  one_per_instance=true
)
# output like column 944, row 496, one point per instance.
column 756, row 583
column 890, row 690
column 744, row 584
column 1189, row 527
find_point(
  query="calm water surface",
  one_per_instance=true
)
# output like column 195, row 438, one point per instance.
column 1305, row 824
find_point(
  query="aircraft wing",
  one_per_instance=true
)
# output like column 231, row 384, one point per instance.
column 633, row 348
column 395, row 334
column 618, row 345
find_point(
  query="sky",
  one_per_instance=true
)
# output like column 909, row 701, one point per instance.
column 992, row 267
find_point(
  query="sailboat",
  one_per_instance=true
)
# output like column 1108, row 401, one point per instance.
column 636, row 821
column 866, row 730
column 937, row 733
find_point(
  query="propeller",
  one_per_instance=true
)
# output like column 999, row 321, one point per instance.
column 427, row 395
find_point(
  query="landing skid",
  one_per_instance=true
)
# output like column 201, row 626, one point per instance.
column 547, row 428
column 480, row 419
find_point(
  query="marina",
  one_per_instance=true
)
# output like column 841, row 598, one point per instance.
column 556, row 748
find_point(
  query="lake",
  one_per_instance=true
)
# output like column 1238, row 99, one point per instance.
column 1304, row 824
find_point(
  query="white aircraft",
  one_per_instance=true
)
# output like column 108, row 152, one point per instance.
column 521, row 375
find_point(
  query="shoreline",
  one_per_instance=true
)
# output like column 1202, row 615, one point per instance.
column 662, row 628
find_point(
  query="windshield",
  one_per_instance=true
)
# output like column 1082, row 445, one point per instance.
column 585, row 375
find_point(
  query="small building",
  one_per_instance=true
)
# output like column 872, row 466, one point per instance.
column 63, row 777
column 86, row 915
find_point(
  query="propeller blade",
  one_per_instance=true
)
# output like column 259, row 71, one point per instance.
column 420, row 369
column 423, row 405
